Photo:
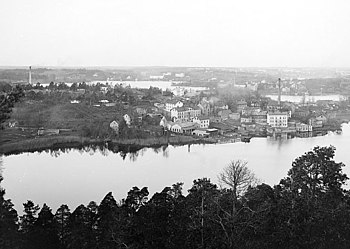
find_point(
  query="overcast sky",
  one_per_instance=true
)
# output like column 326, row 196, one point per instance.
column 244, row 33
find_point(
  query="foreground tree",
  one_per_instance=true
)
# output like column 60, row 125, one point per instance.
column 61, row 220
column 238, row 178
column 27, row 221
column 311, row 201
column 8, row 222
column 200, row 208
column 81, row 227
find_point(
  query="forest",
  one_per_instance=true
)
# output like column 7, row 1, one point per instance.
column 309, row 208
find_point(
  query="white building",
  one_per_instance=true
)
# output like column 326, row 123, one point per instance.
column 200, row 133
column 184, row 114
column 178, row 91
column 184, row 128
column 115, row 126
column 202, row 121
column 163, row 122
column 277, row 119
column 173, row 104
column 179, row 75
column 127, row 119
column 303, row 127
column 156, row 77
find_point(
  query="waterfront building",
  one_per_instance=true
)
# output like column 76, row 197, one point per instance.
column 202, row 121
column 301, row 127
column 184, row 114
column 184, row 128
column 277, row 119
column 200, row 132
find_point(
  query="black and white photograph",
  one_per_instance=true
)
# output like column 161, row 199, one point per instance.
column 174, row 124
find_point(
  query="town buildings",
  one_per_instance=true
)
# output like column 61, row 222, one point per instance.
column 277, row 119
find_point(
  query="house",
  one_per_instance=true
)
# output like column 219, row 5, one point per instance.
column 316, row 123
column 246, row 119
column 240, row 84
column 200, row 133
column 114, row 126
column 301, row 127
column 301, row 112
column 184, row 114
column 178, row 91
column 104, row 101
column 241, row 105
column 179, row 75
column 255, row 103
column 184, row 128
column 163, row 122
column 212, row 132
column 273, row 106
column 250, row 110
column 156, row 77
column 202, row 121
column 223, row 128
column 13, row 123
column 260, row 118
column 127, row 119
column 277, row 119
column 159, row 105
column 49, row 132
column 104, row 89
column 173, row 104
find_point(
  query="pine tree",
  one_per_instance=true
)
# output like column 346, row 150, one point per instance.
column 9, row 238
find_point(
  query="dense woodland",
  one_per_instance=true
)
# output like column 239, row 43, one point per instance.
column 308, row 209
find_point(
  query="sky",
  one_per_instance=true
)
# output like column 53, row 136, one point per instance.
column 220, row 33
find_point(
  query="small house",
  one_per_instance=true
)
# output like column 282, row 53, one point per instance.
column 114, row 126
column 127, row 119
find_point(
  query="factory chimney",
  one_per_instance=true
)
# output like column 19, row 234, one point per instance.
column 279, row 93
column 30, row 75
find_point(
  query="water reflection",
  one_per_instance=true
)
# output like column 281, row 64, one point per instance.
column 132, row 152
column 73, row 176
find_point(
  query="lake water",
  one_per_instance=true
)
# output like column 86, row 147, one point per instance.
column 308, row 98
column 77, row 177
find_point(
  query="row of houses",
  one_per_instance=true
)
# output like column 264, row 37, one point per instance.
column 189, row 128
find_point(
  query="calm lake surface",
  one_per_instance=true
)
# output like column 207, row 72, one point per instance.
column 77, row 177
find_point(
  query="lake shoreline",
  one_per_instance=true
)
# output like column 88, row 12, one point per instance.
column 76, row 142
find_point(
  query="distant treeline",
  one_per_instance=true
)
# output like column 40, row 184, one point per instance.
column 307, row 209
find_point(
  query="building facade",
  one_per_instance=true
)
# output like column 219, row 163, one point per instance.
column 277, row 119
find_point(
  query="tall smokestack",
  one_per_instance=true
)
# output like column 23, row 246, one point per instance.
column 279, row 93
column 30, row 75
